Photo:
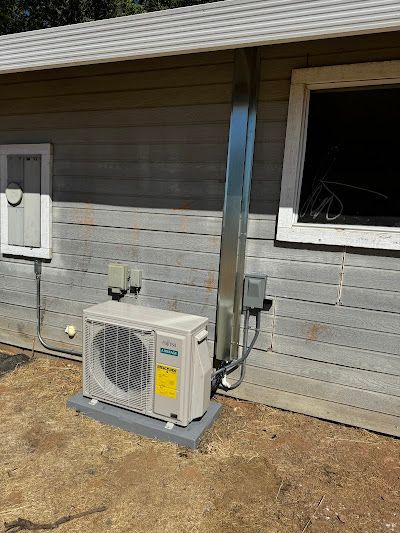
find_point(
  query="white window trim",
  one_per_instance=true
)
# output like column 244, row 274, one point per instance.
column 46, row 152
column 313, row 79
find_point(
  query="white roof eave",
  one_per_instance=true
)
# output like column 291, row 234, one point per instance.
column 215, row 26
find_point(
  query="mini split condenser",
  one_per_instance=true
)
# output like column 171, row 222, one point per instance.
column 150, row 361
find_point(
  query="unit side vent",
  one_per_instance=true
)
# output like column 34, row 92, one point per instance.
column 119, row 365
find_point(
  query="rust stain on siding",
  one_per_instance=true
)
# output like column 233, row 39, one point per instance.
column 187, row 204
column 210, row 282
column 88, row 218
column 135, row 234
column 184, row 224
column 173, row 306
column 313, row 331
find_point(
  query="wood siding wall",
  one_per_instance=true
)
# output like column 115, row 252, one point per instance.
column 139, row 170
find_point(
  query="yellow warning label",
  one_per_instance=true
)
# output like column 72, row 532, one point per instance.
column 166, row 380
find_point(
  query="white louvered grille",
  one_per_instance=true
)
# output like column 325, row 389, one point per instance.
column 119, row 365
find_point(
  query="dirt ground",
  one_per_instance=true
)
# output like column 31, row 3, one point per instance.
column 258, row 470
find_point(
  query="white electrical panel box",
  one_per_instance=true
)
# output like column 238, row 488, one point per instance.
column 25, row 171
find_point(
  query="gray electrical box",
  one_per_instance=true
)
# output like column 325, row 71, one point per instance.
column 118, row 277
column 26, row 200
column 23, row 199
column 136, row 279
column 254, row 291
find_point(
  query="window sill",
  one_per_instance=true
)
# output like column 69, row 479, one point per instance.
column 25, row 251
column 353, row 236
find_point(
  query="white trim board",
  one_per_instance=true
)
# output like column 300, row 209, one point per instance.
column 45, row 151
column 216, row 26
column 303, row 82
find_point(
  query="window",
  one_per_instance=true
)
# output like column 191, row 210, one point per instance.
column 341, row 171
column 26, row 200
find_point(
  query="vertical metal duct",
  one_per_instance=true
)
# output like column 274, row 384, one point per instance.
column 236, row 205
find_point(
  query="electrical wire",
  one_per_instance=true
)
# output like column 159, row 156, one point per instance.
column 231, row 367
column 68, row 354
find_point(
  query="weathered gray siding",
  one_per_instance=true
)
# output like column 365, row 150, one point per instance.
column 139, row 170
column 336, row 313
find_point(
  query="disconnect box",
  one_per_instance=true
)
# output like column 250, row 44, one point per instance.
column 254, row 291
column 26, row 200
column 118, row 278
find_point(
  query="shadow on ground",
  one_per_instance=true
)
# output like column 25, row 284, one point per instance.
column 10, row 362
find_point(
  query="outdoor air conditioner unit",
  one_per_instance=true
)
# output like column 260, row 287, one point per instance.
column 150, row 361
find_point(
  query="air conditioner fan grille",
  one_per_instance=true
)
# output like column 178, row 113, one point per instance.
column 119, row 365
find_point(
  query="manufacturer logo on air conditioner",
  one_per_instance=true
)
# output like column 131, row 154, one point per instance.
column 168, row 351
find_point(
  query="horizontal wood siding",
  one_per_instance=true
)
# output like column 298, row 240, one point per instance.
column 335, row 349
column 139, row 172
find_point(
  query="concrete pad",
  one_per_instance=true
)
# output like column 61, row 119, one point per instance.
column 189, row 436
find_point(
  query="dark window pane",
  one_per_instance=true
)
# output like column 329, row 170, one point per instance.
column 352, row 162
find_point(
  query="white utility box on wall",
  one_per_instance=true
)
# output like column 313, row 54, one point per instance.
column 26, row 171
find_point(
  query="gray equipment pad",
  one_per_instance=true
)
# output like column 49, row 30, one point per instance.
column 189, row 436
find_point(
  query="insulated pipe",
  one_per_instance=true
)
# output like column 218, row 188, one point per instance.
column 236, row 204
column 67, row 354
column 219, row 376
column 233, row 365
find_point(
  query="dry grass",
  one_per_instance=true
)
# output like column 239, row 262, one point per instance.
column 258, row 470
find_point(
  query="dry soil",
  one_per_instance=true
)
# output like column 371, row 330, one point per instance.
column 258, row 470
